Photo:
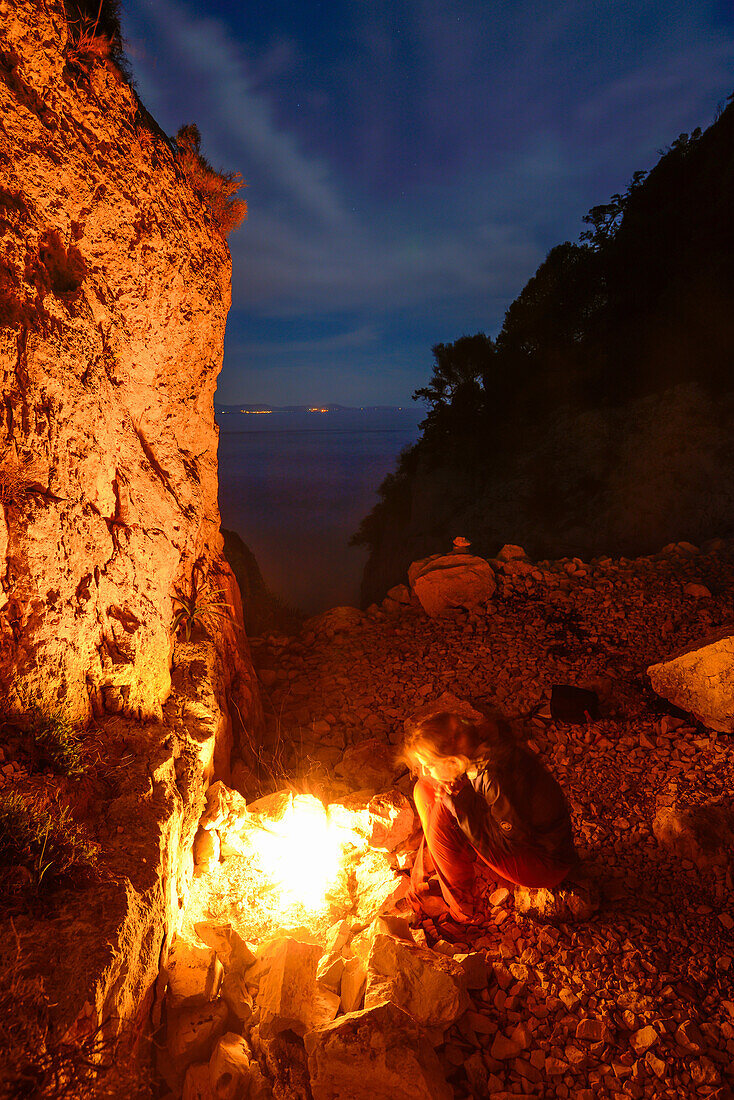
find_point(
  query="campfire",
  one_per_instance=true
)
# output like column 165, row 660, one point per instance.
column 295, row 934
column 301, row 854
column 289, row 862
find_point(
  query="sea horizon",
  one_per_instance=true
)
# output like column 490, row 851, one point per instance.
column 296, row 483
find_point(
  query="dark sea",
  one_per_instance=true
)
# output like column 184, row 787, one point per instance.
column 295, row 486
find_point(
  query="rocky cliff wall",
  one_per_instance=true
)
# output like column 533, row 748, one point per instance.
column 114, row 291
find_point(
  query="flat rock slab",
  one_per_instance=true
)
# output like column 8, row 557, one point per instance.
column 700, row 680
column 285, row 972
column 429, row 986
column 448, row 582
column 380, row 1053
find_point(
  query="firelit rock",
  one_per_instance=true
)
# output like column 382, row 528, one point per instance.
column 207, row 850
column 378, row 887
column 379, row 1053
column 233, row 952
column 197, row 1085
column 392, row 820
column 703, row 834
column 330, row 970
column 354, row 977
column 192, row 1033
column 447, row 582
column 229, row 1067
column 567, row 903
column 236, row 995
column 700, row 680
column 194, row 973
column 120, row 285
column 324, row 1006
column 370, row 764
column 429, row 986
column 227, row 813
column 474, row 965
column 285, row 973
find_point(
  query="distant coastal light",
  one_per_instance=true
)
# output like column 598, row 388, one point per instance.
column 317, row 409
column 256, row 412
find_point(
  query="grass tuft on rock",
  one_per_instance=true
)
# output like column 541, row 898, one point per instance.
column 56, row 745
column 47, row 843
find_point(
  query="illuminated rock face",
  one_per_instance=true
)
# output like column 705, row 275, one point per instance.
column 700, row 680
column 379, row 1053
column 114, row 294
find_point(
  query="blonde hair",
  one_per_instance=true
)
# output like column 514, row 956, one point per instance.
column 442, row 737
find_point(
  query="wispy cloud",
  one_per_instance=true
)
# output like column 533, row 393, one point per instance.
column 411, row 161
column 361, row 337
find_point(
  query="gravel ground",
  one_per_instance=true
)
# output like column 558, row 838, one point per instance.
column 639, row 1000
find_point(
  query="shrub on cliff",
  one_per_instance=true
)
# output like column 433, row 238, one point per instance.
column 55, row 745
column 15, row 482
column 94, row 32
column 218, row 190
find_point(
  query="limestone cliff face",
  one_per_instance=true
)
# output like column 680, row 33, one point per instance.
column 114, row 291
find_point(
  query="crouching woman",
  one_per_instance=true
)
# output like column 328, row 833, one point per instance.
column 483, row 799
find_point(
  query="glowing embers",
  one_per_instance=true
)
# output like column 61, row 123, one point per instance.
column 301, row 853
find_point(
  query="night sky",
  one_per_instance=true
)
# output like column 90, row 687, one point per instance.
column 409, row 163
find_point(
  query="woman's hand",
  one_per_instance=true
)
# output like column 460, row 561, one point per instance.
column 446, row 798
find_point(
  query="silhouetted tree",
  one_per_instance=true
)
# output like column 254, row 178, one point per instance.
column 458, row 367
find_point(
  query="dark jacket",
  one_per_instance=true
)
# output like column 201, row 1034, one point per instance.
column 514, row 813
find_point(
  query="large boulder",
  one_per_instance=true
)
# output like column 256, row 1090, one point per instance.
column 428, row 985
column 447, row 582
column 194, row 973
column 379, row 1052
column 285, row 973
column 700, row 680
